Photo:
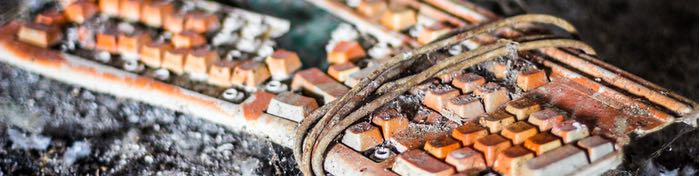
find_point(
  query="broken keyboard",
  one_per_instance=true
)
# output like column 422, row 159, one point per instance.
column 550, row 111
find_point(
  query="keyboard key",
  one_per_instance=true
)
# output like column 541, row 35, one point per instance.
column 561, row 161
column 441, row 146
column 372, row 8
column 201, row 22
column 491, row 146
column 518, row 132
column 80, row 11
column 466, row 159
column 106, row 40
column 468, row 82
column 362, row 136
column 437, row 97
column 467, row 107
column 342, row 72
column 283, row 64
column 155, row 11
column 153, row 52
column 345, row 51
column 512, row 159
column 522, row 108
column 426, row 116
column 570, row 130
column 250, row 74
column 130, row 10
column 531, row 79
column 39, row 35
column 391, row 121
column 546, row 119
column 220, row 72
column 496, row 121
column 398, row 18
column 542, row 142
column 417, row 162
column 174, row 59
column 469, row 133
column 317, row 82
column 291, row 106
column 198, row 61
column 131, row 43
column 51, row 17
column 493, row 96
column 188, row 40
column 596, row 147
column 432, row 32
column 109, row 7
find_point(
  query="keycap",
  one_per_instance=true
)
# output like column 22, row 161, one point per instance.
column 188, row 40
column 561, row 161
column 345, row 51
column 109, row 7
column 518, row 132
column 283, row 64
column 496, row 121
column 398, row 18
column 174, row 22
column 201, row 22
column 51, row 17
column 106, row 40
column 342, row 72
column 531, row 79
column 362, row 136
column 130, row 10
column 372, row 8
column 493, row 96
column 491, row 146
column 510, row 160
column 417, row 162
column 523, row 107
column 220, row 72
column 542, row 142
column 432, row 32
column 198, row 61
column 426, row 116
column 250, row 74
column 467, row 107
column 39, row 35
column 391, row 121
column 154, row 12
column 570, row 130
column 596, row 147
column 291, row 106
column 318, row 83
column 437, row 98
column 546, row 119
column 80, row 11
column 174, row 59
column 468, row 82
column 466, row 158
column 469, row 133
column 152, row 53
column 132, row 43
column 441, row 146
column 345, row 161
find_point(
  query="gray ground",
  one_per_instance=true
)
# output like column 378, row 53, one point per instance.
column 47, row 127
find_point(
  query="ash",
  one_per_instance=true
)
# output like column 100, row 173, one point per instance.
column 50, row 128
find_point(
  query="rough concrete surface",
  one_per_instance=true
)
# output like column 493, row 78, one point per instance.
column 50, row 128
